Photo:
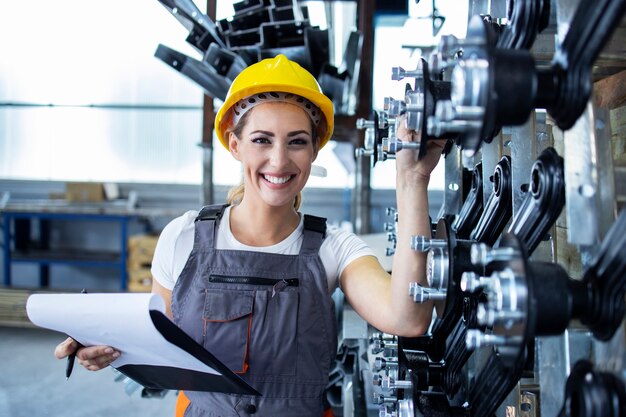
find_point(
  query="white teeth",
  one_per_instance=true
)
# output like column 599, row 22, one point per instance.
column 277, row 180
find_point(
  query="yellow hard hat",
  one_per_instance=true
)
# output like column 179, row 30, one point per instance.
column 274, row 74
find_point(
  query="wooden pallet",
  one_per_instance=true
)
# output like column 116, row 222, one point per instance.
column 13, row 307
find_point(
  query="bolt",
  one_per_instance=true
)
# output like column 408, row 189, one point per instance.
column 395, row 107
column 377, row 380
column 382, row 363
column 380, row 399
column 398, row 73
column 475, row 339
column 381, row 344
column 382, row 336
column 405, row 408
column 388, row 382
column 490, row 315
column 362, row 123
column 485, row 316
column 472, row 282
column 480, row 254
column 433, row 126
column 414, row 120
column 397, row 145
column 417, row 292
column 421, row 294
column 358, row 152
column 420, row 243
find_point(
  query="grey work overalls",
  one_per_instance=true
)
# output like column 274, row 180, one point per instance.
column 268, row 317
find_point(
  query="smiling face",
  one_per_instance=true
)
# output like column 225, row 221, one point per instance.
column 276, row 149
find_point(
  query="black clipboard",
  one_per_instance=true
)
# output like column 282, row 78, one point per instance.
column 164, row 377
column 159, row 355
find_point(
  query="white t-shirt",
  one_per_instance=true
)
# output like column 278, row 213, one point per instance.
column 176, row 241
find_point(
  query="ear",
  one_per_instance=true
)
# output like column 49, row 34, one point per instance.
column 233, row 145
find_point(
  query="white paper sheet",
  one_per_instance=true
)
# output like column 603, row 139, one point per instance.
column 118, row 320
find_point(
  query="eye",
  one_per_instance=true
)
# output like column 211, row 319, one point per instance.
column 299, row 141
column 261, row 140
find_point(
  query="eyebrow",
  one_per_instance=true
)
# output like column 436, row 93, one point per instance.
column 290, row 134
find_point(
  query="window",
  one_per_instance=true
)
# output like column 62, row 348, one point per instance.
column 82, row 96
column 401, row 41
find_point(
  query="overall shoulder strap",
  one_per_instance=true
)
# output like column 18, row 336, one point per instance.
column 314, row 234
column 211, row 212
column 206, row 224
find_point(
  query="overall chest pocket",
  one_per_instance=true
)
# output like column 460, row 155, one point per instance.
column 251, row 324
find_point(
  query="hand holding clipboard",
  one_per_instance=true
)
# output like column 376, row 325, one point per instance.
column 154, row 351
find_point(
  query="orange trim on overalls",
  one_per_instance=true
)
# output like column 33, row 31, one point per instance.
column 328, row 413
column 182, row 402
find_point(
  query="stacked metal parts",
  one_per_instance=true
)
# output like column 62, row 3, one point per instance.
column 261, row 29
column 527, row 262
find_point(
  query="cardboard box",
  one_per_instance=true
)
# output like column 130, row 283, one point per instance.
column 139, row 280
column 139, row 287
column 84, row 191
column 141, row 249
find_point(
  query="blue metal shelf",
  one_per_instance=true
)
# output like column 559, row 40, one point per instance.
column 45, row 258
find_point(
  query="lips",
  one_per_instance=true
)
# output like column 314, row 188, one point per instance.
column 277, row 180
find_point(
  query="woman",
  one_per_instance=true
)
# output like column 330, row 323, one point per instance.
column 251, row 281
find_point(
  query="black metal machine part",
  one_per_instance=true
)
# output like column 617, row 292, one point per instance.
column 260, row 29
column 202, row 30
column 434, row 89
column 226, row 63
column 498, row 209
column 505, row 364
column 607, row 276
column 525, row 20
column 515, row 85
column 597, row 300
column 472, row 209
column 199, row 71
column 589, row 393
column 547, row 299
column 450, row 310
column 544, row 202
column 569, row 79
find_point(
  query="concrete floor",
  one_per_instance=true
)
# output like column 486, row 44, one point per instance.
column 33, row 384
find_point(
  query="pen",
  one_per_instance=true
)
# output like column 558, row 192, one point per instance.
column 70, row 364
column 72, row 356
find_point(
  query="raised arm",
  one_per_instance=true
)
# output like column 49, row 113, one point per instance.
column 379, row 298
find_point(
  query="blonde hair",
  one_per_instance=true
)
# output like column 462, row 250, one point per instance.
column 235, row 194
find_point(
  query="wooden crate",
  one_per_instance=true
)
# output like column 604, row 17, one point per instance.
column 140, row 254
column 139, row 280
column 141, row 248
column 13, row 307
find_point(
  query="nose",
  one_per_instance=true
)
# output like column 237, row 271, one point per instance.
column 279, row 156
